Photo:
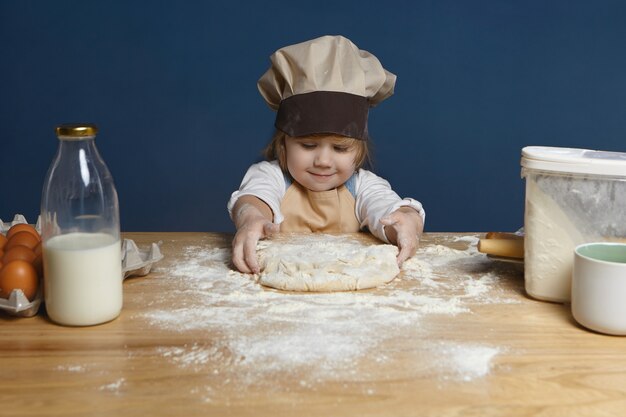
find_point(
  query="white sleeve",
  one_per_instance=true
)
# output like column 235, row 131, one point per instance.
column 375, row 199
column 264, row 180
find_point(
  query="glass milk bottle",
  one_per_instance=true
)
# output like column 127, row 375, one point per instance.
column 80, row 230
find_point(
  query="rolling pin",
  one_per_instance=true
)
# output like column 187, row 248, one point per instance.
column 507, row 245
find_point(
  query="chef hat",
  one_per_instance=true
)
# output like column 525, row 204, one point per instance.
column 325, row 85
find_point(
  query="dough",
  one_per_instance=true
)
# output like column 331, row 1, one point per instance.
column 319, row 262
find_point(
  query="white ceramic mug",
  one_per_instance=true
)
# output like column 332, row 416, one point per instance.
column 599, row 287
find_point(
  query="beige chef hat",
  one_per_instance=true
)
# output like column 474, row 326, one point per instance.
column 325, row 85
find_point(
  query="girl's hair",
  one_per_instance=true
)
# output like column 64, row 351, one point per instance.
column 276, row 150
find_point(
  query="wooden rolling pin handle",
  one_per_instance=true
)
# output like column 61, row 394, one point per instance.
column 510, row 248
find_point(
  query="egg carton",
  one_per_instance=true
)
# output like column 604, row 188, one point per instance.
column 135, row 262
column 4, row 227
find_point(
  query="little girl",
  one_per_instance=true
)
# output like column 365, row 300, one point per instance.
column 313, row 180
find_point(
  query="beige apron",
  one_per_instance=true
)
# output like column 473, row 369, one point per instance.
column 330, row 211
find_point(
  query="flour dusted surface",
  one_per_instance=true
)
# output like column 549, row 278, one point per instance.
column 320, row 262
column 241, row 336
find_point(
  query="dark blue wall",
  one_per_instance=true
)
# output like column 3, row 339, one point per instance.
column 172, row 86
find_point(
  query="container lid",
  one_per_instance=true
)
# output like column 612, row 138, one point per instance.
column 76, row 130
column 574, row 161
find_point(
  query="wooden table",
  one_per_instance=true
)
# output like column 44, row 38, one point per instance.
column 453, row 335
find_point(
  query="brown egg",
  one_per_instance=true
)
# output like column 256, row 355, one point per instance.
column 21, row 239
column 23, row 227
column 19, row 252
column 18, row 275
column 3, row 240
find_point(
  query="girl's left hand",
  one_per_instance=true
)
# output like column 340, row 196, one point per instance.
column 404, row 229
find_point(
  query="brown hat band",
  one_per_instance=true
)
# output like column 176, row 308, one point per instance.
column 324, row 112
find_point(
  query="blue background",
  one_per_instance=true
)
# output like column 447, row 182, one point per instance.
column 172, row 87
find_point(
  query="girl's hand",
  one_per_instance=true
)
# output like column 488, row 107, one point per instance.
column 252, row 224
column 404, row 229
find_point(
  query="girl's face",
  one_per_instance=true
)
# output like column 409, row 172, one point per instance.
column 320, row 163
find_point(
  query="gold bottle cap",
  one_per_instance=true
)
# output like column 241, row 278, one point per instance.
column 77, row 130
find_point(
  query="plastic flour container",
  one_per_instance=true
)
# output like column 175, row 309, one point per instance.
column 573, row 196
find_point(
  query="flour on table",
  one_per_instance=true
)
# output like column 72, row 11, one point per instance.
column 244, row 334
column 114, row 387
column 469, row 361
column 325, row 263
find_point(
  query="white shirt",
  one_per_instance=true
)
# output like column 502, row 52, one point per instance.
column 373, row 194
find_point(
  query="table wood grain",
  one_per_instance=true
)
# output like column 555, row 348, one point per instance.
column 545, row 364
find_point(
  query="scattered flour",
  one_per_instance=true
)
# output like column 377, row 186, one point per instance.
column 194, row 356
column 469, row 361
column 114, row 386
column 71, row 368
column 472, row 240
column 323, row 336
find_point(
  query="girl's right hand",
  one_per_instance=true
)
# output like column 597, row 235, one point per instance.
column 252, row 225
